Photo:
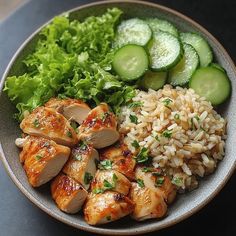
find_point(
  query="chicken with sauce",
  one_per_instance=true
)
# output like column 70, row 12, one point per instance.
column 48, row 123
column 42, row 159
column 99, row 128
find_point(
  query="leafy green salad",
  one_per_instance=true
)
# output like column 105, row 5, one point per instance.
column 104, row 59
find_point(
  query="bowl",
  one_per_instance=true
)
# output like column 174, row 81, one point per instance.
column 186, row 204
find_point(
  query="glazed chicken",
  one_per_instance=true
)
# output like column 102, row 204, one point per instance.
column 68, row 194
column 156, row 181
column 48, row 123
column 121, row 158
column 106, row 207
column 110, row 179
column 43, row 159
column 99, row 128
column 81, row 165
column 149, row 203
column 72, row 109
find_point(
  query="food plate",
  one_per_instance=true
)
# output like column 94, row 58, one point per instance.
column 185, row 205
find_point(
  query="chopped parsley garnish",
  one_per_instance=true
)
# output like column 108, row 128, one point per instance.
column 133, row 119
column 148, row 169
column 38, row 157
column 104, row 116
column 74, row 125
column 135, row 104
column 167, row 133
column 107, row 185
column 135, row 144
column 140, row 183
column 105, row 165
column 78, row 157
column 82, row 145
column 36, row 123
column 176, row 116
column 87, row 178
column 69, row 134
column 142, row 156
column 177, row 181
column 159, row 181
column 167, row 102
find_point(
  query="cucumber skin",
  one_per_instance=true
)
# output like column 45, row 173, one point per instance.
column 142, row 74
column 229, row 84
column 185, row 84
column 200, row 36
column 165, row 68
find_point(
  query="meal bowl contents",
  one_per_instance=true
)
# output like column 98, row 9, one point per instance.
column 118, row 115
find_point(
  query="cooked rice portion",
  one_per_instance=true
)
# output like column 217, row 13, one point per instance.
column 183, row 134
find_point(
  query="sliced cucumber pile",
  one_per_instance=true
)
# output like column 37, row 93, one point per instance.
column 163, row 25
column 153, row 80
column 165, row 51
column 200, row 45
column 130, row 62
column 153, row 52
column 211, row 83
column 183, row 71
column 133, row 31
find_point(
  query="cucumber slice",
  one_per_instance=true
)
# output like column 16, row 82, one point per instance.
column 133, row 31
column 211, row 83
column 183, row 71
column 153, row 80
column 200, row 45
column 217, row 66
column 165, row 51
column 158, row 24
column 130, row 62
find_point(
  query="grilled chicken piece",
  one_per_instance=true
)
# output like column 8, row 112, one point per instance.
column 156, row 181
column 148, row 203
column 122, row 159
column 99, row 128
column 81, row 165
column 43, row 159
column 106, row 207
column 110, row 179
column 72, row 109
column 68, row 194
column 48, row 123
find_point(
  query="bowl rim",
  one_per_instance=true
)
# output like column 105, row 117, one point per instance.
column 88, row 228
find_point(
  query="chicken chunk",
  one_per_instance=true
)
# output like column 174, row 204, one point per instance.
column 121, row 158
column 81, row 165
column 72, row 109
column 106, row 207
column 48, row 123
column 148, row 203
column 43, row 159
column 155, row 180
column 99, row 128
column 68, row 194
column 110, row 179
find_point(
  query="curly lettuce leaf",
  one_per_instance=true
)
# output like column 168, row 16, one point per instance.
column 72, row 59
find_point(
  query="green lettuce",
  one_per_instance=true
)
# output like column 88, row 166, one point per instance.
column 71, row 59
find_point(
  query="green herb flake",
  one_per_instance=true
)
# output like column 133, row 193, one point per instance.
column 167, row 133
column 177, row 181
column 36, row 123
column 98, row 190
column 135, row 104
column 176, row 116
column 133, row 119
column 159, row 181
column 38, row 157
column 107, row 185
column 108, row 218
column 69, row 134
column 78, row 157
column 143, row 156
column 197, row 118
column 105, row 165
column 167, row 102
column 105, row 116
column 82, row 145
column 87, row 178
column 147, row 169
column 135, row 144
column 74, row 125
column 140, row 183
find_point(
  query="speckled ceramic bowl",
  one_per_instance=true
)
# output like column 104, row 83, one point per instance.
column 186, row 204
